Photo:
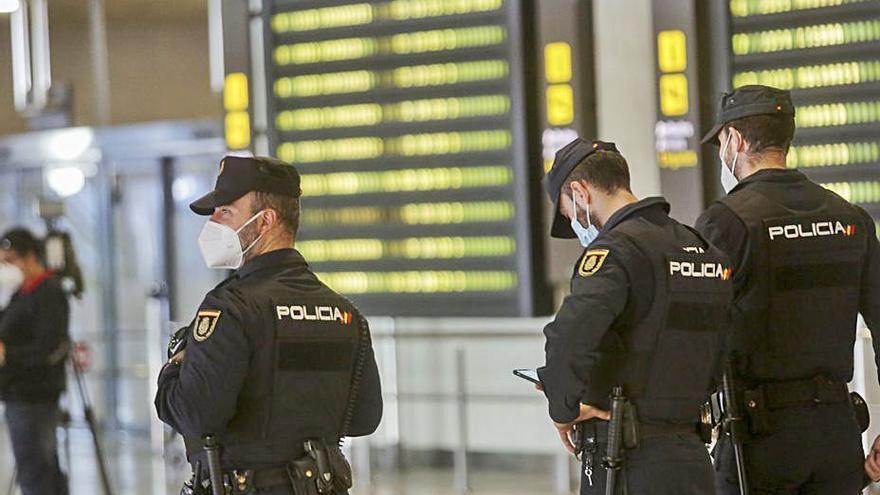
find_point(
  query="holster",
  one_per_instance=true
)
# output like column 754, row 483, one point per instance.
column 591, row 432
column 323, row 469
column 585, row 440
column 302, row 473
column 631, row 430
column 190, row 488
column 241, row 481
column 194, row 485
column 860, row 410
column 707, row 423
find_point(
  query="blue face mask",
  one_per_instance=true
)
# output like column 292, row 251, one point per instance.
column 586, row 235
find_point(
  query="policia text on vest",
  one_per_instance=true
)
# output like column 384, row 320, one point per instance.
column 275, row 367
column 646, row 316
column 805, row 264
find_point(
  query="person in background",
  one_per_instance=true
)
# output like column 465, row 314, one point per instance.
column 34, row 344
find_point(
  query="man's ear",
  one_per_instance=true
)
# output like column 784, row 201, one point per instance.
column 583, row 192
column 737, row 142
column 270, row 219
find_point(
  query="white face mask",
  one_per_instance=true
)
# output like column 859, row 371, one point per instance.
column 11, row 279
column 586, row 235
column 221, row 247
column 728, row 174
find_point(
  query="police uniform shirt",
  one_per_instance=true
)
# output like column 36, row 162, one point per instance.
column 612, row 290
column 792, row 190
column 230, row 382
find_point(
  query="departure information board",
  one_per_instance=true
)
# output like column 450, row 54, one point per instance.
column 408, row 122
column 827, row 52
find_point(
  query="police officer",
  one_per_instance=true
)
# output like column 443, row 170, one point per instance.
column 272, row 355
column 647, row 311
column 33, row 346
column 806, row 262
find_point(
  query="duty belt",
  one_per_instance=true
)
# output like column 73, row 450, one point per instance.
column 780, row 395
column 244, row 481
column 259, row 479
column 650, row 430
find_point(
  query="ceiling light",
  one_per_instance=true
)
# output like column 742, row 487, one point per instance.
column 183, row 188
column 9, row 6
column 65, row 180
column 69, row 144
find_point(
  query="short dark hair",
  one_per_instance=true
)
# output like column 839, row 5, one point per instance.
column 763, row 132
column 605, row 170
column 23, row 242
column 287, row 208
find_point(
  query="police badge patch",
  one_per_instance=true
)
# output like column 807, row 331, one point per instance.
column 204, row 325
column 592, row 262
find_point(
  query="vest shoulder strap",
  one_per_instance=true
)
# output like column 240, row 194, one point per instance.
column 363, row 342
column 749, row 202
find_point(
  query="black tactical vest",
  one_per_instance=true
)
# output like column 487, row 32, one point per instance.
column 795, row 316
column 305, row 348
column 673, row 346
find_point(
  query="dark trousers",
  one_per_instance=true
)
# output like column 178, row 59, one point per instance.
column 811, row 450
column 668, row 465
column 32, row 432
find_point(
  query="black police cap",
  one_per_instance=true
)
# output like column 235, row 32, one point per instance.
column 240, row 175
column 747, row 101
column 566, row 160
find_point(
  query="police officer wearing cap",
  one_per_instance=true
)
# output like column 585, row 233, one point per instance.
column 647, row 311
column 273, row 357
column 806, row 262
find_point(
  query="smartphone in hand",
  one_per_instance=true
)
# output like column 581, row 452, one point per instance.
column 528, row 375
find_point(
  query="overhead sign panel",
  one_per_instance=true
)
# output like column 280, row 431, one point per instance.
column 827, row 52
column 406, row 121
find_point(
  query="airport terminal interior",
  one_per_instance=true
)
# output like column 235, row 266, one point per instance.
column 421, row 130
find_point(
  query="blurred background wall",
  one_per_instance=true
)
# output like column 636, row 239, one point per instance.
column 157, row 62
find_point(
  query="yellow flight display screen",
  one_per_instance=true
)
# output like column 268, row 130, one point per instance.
column 827, row 52
column 406, row 121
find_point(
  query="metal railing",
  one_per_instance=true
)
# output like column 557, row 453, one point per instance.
column 393, row 338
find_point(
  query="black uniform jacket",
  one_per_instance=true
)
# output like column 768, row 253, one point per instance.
column 792, row 190
column 243, row 382
column 616, row 290
column 33, row 327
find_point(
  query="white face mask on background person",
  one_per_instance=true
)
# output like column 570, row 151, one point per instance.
column 728, row 174
column 11, row 278
column 586, row 235
column 221, row 247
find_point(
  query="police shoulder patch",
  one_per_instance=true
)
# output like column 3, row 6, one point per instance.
column 204, row 324
column 592, row 262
